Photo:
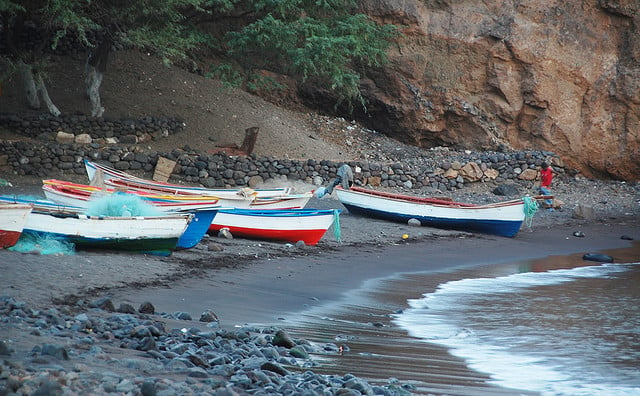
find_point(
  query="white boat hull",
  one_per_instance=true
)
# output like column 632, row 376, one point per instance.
column 502, row 219
column 158, row 235
column 13, row 217
column 278, row 198
column 307, row 225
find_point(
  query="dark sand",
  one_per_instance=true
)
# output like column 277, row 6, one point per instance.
column 349, row 296
column 266, row 291
column 335, row 292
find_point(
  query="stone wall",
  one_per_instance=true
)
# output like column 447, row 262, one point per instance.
column 85, row 129
column 453, row 171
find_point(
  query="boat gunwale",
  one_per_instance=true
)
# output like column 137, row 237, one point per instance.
column 427, row 201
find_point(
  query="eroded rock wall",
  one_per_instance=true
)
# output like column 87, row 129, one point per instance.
column 553, row 75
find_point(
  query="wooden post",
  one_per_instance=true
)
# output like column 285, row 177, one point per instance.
column 164, row 168
column 250, row 137
column 98, row 179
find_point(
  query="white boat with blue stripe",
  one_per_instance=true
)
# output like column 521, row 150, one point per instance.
column 501, row 218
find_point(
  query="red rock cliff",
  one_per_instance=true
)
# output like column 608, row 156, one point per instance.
column 555, row 75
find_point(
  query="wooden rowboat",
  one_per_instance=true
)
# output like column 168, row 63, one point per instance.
column 152, row 235
column 80, row 195
column 109, row 173
column 502, row 218
column 276, row 198
column 13, row 217
column 195, row 231
column 157, row 235
column 307, row 225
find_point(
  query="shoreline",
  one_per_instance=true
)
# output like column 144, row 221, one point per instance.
column 284, row 286
column 379, row 349
column 73, row 279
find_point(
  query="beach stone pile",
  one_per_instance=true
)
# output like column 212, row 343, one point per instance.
column 181, row 361
column 441, row 170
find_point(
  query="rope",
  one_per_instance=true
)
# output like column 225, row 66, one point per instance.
column 337, row 233
column 530, row 209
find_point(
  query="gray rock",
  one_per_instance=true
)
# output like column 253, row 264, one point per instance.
column 601, row 258
column 583, row 212
column 57, row 351
column 147, row 308
column 507, row 189
column 209, row 316
column 83, row 317
column 4, row 349
column 48, row 388
column 197, row 361
column 179, row 364
column 299, row 352
column 104, row 303
column 147, row 344
column 282, row 339
column 126, row 308
column 215, row 247
column 197, row 372
column 148, row 388
column 275, row 368
column 225, row 233
column 359, row 385
column 253, row 363
column 125, row 386
column 181, row 315
column 140, row 332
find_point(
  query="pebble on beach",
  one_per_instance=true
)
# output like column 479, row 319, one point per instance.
column 188, row 360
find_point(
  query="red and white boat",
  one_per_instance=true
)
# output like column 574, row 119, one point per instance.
column 307, row 225
column 13, row 217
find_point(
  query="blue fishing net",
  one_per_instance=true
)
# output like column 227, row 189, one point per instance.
column 337, row 232
column 43, row 244
column 121, row 205
column 530, row 209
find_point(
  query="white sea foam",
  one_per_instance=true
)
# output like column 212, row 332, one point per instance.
column 449, row 317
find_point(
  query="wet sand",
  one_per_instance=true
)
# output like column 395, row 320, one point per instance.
column 270, row 290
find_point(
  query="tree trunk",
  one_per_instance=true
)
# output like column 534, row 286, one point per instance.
column 42, row 89
column 95, row 68
column 30, row 89
column 35, row 89
column 93, row 81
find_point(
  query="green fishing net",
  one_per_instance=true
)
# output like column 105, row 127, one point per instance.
column 43, row 244
column 121, row 205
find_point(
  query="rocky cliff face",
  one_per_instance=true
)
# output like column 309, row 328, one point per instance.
column 553, row 75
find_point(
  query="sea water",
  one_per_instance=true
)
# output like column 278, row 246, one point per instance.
column 560, row 332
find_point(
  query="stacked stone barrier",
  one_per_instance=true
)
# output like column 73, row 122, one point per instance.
column 85, row 129
column 455, row 170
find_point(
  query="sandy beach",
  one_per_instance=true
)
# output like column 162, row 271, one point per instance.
column 340, row 292
column 267, row 291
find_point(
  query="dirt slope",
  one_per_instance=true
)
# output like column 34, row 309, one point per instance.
column 137, row 85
